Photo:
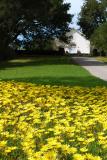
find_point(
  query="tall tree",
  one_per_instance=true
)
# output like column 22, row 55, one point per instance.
column 34, row 20
column 9, row 10
column 91, row 16
column 99, row 38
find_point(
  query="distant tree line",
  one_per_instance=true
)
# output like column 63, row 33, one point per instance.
column 93, row 23
column 31, row 24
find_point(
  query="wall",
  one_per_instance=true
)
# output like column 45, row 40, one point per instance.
column 82, row 44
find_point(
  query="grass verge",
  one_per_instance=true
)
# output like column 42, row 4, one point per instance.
column 102, row 59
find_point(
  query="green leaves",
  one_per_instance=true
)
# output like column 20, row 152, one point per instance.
column 99, row 38
column 93, row 22
column 91, row 16
column 35, row 20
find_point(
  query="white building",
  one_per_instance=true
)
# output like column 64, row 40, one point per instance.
column 78, row 43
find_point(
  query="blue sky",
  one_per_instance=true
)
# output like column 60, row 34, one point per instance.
column 75, row 9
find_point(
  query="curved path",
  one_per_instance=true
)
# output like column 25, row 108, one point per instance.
column 96, row 68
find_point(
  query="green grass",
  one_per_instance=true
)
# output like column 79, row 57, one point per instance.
column 102, row 59
column 48, row 70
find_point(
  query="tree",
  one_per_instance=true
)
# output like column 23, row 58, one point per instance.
column 8, row 21
column 99, row 38
column 92, row 15
column 34, row 20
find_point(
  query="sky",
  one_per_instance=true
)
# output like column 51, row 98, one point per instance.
column 75, row 9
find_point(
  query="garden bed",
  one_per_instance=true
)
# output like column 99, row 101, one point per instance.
column 46, row 122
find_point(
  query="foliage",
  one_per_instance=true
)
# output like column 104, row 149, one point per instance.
column 99, row 38
column 9, row 11
column 93, row 13
column 34, row 20
column 52, row 123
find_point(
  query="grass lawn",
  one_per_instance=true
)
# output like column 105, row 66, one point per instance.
column 48, row 70
column 102, row 59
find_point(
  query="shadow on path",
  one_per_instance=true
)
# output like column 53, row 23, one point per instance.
column 36, row 61
column 88, row 61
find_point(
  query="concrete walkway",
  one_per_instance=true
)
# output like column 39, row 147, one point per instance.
column 96, row 68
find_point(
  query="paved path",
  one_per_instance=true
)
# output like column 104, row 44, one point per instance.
column 96, row 68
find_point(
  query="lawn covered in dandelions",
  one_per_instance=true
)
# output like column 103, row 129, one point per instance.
column 42, row 122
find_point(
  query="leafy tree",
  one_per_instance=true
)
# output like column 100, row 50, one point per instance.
column 8, row 21
column 36, row 21
column 92, row 15
column 99, row 38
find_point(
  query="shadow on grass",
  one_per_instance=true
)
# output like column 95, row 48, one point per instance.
column 66, row 81
column 36, row 61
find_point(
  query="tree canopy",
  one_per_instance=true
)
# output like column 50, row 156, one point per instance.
column 93, row 23
column 35, row 21
column 92, row 15
column 99, row 38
